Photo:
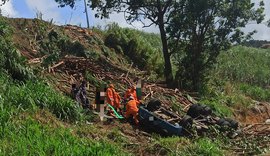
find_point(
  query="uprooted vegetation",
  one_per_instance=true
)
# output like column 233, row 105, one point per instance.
column 59, row 56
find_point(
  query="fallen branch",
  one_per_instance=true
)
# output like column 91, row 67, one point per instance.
column 129, row 70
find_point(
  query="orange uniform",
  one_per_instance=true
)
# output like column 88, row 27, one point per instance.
column 117, row 100
column 132, row 92
column 109, row 96
column 132, row 110
column 113, row 98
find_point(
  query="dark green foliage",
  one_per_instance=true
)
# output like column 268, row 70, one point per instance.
column 158, row 13
column 141, row 48
column 201, row 29
column 63, row 3
column 10, row 59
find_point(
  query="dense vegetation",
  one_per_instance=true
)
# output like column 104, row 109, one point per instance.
column 35, row 119
column 142, row 48
column 241, row 74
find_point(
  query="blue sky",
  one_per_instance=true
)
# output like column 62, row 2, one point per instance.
column 50, row 10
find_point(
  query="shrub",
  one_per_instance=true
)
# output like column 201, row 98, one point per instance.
column 143, row 49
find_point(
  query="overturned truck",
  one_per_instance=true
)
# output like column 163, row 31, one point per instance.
column 159, row 119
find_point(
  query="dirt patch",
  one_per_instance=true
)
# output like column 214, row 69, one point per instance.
column 257, row 114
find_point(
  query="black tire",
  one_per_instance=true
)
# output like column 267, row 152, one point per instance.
column 153, row 105
column 233, row 123
column 208, row 111
column 220, row 121
column 203, row 109
column 193, row 110
column 199, row 110
column 224, row 125
column 186, row 122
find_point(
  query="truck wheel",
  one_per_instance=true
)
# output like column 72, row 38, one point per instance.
column 220, row 121
column 193, row 110
column 186, row 122
column 224, row 124
column 206, row 111
column 153, row 105
column 233, row 123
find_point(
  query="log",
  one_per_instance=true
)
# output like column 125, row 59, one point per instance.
column 58, row 64
column 129, row 70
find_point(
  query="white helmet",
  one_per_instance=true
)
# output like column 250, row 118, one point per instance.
column 131, row 98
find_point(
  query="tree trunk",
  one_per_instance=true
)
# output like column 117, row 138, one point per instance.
column 168, row 66
column 197, row 66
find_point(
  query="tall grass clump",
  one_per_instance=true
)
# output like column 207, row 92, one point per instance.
column 245, row 65
column 39, row 95
column 32, row 95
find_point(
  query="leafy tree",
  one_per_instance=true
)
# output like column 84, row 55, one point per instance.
column 200, row 29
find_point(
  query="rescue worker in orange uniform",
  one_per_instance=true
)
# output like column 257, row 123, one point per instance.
column 132, row 92
column 132, row 110
column 113, row 98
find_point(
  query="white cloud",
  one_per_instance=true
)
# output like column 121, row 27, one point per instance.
column 263, row 32
column 8, row 9
column 48, row 8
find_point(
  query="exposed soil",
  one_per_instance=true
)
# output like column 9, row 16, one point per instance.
column 257, row 114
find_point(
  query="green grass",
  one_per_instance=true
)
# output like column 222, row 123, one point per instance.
column 218, row 106
column 240, row 75
column 255, row 92
column 244, row 65
column 11, row 61
column 203, row 146
column 21, row 134
column 33, row 95
column 29, row 137
column 188, row 147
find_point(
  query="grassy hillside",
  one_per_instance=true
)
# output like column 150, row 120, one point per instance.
column 240, row 76
column 39, row 118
